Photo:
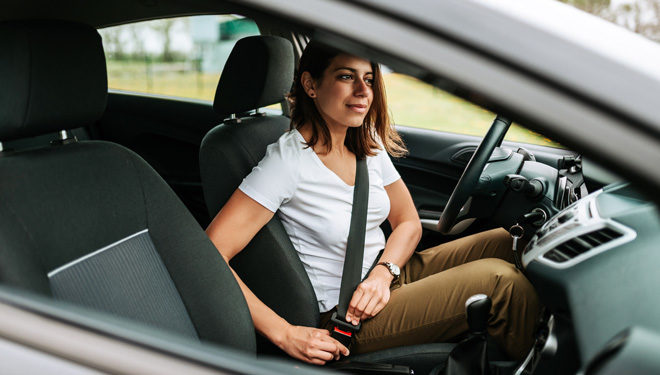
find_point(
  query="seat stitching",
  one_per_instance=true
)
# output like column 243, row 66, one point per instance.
column 29, row 79
column 25, row 229
column 18, row 219
column 144, row 198
column 146, row 218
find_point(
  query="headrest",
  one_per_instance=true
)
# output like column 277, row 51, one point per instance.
column 259, row 72
column 53, row 77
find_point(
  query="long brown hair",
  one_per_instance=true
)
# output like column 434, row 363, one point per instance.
column 362, row 140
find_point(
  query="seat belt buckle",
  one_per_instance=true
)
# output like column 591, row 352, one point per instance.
column 343, row 331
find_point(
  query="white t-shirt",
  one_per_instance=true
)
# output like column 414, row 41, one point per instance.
column 315, row 206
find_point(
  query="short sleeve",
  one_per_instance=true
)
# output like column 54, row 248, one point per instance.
column 273, row 181
column 388, row 171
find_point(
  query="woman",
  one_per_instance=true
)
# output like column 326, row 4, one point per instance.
column 339, row 114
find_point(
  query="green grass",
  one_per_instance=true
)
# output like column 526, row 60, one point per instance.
column 412, row 102
column 165, row 79
column 415, row 103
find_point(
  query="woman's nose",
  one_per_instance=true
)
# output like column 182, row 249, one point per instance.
column 361, row 88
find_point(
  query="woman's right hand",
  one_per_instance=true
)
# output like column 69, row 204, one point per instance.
column 311, row 345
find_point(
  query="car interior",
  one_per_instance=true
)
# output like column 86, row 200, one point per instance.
column 105, row 195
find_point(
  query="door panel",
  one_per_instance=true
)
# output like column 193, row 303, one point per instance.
column 167, row 133
column 429, row 170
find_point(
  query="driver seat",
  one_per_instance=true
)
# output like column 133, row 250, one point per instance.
column 259, row 72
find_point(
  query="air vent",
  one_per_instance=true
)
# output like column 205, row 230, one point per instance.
column 581, row 244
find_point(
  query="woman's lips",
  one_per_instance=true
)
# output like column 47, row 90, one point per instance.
column 359, row 108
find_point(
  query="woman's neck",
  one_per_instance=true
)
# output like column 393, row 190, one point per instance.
column 337, row 138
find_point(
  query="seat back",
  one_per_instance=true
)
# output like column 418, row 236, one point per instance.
column 91, row 222
column 269, row 264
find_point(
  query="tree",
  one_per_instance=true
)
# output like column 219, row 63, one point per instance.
column 596, row 7
column 639, row 16
column 163, row 28
column 112, row 43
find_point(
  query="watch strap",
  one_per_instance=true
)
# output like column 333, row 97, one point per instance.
column 389, row 268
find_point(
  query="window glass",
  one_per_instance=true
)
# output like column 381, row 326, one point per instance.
column 418, row 104
column 180, row 57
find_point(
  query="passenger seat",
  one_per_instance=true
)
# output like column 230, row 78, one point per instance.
column 90, row 222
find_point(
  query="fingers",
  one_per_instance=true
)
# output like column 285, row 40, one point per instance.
column 368, row 300
column 369, row 296
column 321, row 348
column 342, row 349
column 351, row 314
column 362, row 307
column 320, row 355
column 376, row 305
column 314, row 361
column 330, row 344
column 311, row 345
column 369, row 310
column 331, row 348
column 363, row 294
column 316, row 357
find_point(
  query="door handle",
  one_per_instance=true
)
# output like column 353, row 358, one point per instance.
column 430, row 224
column 429, row 219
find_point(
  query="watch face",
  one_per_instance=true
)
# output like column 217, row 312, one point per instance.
column 394, row 269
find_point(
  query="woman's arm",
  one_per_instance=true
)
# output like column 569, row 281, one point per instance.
column 373, row 293
column 230, row 231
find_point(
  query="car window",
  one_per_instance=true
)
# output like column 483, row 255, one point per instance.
column 417, row 104
column 181, row 57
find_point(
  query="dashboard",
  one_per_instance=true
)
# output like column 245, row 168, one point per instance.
column 595, row 267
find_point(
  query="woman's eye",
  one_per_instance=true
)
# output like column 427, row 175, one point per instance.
column 369, row 81
column 346, row 77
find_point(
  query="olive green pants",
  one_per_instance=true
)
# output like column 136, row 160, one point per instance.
column 428, row 304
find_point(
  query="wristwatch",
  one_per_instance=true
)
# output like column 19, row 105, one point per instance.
column 393, row 268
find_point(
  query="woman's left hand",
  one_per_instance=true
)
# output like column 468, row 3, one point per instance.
column 370, row 296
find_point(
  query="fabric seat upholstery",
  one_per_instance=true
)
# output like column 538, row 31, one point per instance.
column 269, row 264
column 258, row 73
column 84, row 208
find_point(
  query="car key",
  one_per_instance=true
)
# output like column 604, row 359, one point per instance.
column 516, row 232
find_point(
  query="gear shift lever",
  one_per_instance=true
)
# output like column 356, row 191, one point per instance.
column 477, row 309
column 470, row 357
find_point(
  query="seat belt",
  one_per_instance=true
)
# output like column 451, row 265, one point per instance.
column 351, row 277
column 343, row 331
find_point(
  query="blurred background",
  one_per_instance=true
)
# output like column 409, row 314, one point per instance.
column 183, row 57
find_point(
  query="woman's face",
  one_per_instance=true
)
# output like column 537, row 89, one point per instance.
column 344, row 93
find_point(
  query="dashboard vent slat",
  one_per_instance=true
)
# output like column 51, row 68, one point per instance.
column 570, row 249
column 581, row 244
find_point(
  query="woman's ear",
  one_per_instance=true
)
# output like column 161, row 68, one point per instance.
column 308, row 84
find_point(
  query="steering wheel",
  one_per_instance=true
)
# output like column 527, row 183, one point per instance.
column 470, row 177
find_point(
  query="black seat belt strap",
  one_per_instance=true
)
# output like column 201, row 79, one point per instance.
column 352, row 272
